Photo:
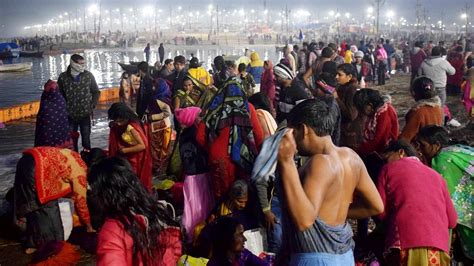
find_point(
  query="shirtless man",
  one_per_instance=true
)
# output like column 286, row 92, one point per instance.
column 317, row 206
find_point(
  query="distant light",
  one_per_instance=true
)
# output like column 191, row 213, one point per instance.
column 464, row 16
column 331, row 13
column 66, row 14
column 390, row 14
column 210, row 7
column 347, row 15
column 93, row 8
column 179, row 7
column 370, row 10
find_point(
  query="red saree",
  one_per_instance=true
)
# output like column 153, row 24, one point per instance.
column 140, row 161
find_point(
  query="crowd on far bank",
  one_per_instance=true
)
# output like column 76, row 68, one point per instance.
column 255, row 162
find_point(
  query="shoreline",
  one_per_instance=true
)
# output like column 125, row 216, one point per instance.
column 30, row 109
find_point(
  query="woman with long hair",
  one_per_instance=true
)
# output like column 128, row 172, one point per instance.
column 127, row 138
column 455, row 163
column 351, row 126
column 228, row 242
column 137, row 231
column 52, row 126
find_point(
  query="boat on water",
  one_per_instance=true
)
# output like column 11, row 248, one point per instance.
column 38, row 54
column 9, row 50
column 130, row 68
column 20, row 67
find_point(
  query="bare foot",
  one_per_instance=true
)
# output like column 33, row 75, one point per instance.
column 30, row 251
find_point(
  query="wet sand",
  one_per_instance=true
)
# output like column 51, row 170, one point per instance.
column 19, row 135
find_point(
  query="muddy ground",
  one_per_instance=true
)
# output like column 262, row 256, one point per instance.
column 12, row 254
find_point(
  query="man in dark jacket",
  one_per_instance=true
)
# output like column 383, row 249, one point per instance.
column 80, row 90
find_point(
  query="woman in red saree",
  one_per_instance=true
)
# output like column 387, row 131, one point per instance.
column 128, row 139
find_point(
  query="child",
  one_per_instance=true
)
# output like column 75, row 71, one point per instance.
column 248, row 82
column 128, row 139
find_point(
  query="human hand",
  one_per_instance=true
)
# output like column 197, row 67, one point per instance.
column 287, row 149
column 90, row 229
column 270, row 220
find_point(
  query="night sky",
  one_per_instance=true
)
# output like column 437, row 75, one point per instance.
column 15, row 14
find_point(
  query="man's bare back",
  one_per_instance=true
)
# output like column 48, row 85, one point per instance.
column 344, row 168
column 330, row 177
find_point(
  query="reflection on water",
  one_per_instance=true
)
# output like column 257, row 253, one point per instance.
column 17, row 88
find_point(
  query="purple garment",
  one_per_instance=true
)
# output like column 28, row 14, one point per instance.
column 246, row 259
column 52, row 126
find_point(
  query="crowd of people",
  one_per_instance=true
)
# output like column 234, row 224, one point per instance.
column 301, row 155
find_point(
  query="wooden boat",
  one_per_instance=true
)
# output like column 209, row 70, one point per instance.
column 130, row 68
column 7, row 55
column 38, row 54
column 16, row 67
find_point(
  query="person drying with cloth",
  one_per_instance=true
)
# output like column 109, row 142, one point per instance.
column 319, row 196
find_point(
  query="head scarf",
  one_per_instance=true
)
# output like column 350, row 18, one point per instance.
column 163, row 91
column 230, row 108
column 52, row 126
column 255, row 60
column 282, row 71
column 187, row 116
column 76, row 68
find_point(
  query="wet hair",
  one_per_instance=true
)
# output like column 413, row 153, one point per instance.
column 125, row 74
column 317, row 114
column 423, row 88
column 364, row 97
column 167, row 61
column 348, row 69
column 188, row 79
column 93, row 156
column 327, row 52
column 223, row 230
column 242, row 67
column 387, row 41
column 180, row 59
column 123, row 197
column 435, row 135
column 121, row 111
column 143, row 66
column 321, row 45
column 260, row 101
column 238, row 189
column 458, row 49
column 437, row 51
column 396, row 145
column 295, row 48
column 76, row 58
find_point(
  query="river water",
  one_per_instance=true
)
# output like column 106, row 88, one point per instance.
column 17, row 88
